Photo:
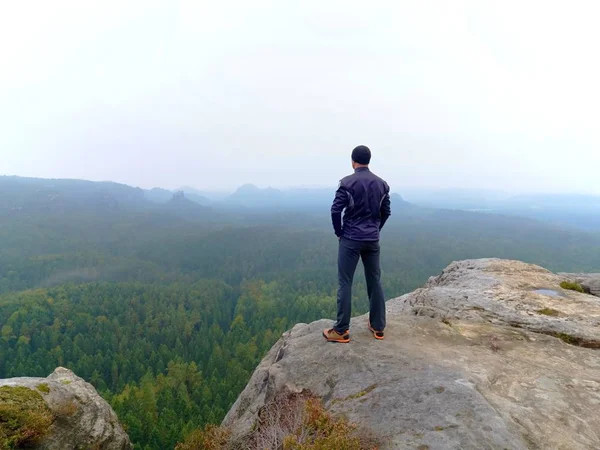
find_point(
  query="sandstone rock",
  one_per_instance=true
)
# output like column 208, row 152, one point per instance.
column 591, row 281
column 470, row 361
column 83, row 419
column 506, row 292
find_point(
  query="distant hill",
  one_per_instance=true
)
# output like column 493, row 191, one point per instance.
column 159, row 195
column 200, row 199
column 26, row 195
column 34, row 194
column 555, row 201
column 250, row 195
column 468, row 199
column 572, row 210
column 179, row 200
column 399, row 203
column 317, row 199
column 211, row 196
column 497, row 200
column 181, row 205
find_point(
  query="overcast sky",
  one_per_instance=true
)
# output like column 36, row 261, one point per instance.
column 213, row 94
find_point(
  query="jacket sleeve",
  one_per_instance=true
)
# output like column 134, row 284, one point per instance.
column 339, row 204
column 386, row 208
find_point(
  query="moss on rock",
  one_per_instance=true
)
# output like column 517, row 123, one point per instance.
column 572, row 286
column 548, row 312
column 43, row 388
column 24, row 417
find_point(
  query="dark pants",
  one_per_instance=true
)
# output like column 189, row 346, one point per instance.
column 348, row 255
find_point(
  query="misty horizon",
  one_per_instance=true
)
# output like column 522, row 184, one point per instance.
column 401, row 190
column 467, row 95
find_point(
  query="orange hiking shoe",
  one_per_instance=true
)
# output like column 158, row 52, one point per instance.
column 333, row 336
column 376, row 334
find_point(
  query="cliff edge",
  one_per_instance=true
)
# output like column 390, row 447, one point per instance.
column 489, row 354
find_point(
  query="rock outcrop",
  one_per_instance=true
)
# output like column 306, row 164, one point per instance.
column 589, row 281
column 81, row 418
column 491, row 354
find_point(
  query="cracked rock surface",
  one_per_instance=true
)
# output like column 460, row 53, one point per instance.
column 489, row 354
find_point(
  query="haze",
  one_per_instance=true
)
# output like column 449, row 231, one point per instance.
column 470, row 94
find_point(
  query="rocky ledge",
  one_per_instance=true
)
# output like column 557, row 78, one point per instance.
column 60, row 412
column 489, row 354
column 589, row 281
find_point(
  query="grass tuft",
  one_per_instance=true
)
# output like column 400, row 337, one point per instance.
column 568, row 338
column 212, row 437
column 355, row 396
column 291, row 422
column 572, row 286
column 548, row 312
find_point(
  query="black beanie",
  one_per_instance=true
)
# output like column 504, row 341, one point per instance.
column 361, row 155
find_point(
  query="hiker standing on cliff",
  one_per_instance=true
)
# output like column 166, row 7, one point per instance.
column 366, row 200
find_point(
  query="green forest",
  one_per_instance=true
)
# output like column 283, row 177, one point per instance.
column 167, row 308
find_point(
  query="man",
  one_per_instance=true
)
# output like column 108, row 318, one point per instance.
column 366, row 199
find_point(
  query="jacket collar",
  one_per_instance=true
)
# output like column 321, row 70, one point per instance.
column 361, row 169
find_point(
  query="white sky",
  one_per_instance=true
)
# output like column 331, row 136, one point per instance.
column 214, row 94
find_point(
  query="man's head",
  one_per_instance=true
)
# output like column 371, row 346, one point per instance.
column 361, row 157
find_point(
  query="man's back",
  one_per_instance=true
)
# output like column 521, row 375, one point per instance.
column 365, row 197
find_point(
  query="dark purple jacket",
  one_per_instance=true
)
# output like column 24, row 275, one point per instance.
column 366, row 199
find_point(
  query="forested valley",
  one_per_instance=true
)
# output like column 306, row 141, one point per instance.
column 167, row 308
